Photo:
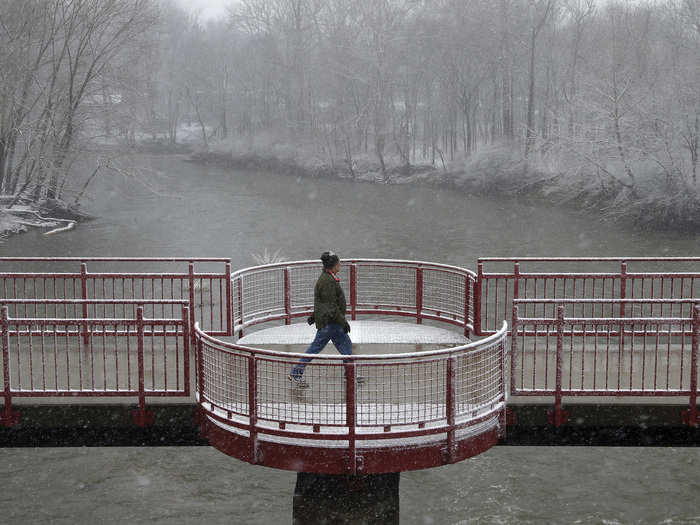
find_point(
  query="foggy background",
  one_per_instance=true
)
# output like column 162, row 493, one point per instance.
column 595, row 102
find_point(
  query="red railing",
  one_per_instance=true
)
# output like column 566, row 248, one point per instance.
column 437, row 400
column 90, row 292
column 424, row 291
column 200, row 281
column 584, row 278
column 605, row 347
column 56, row 353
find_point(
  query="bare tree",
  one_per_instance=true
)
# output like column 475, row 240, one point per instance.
column 61, row 53
column 540, row 13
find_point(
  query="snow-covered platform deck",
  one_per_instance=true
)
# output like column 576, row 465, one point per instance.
column 362, row 332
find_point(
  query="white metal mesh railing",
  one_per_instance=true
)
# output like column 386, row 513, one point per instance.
column 386, row 285
column 418, row 289
column 418, row 389
column 437, row 398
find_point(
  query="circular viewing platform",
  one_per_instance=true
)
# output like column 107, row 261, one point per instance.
column 437, row 398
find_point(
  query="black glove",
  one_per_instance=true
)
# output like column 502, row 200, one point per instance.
column 346, row 327
column 311, row 319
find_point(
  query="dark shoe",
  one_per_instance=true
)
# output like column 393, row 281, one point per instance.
column 298, row 381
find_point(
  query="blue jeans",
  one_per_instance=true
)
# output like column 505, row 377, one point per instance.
column 330, row 332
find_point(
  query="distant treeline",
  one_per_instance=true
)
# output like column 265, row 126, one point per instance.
column 605, row 94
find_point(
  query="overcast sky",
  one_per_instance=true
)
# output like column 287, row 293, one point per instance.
column 208, row 8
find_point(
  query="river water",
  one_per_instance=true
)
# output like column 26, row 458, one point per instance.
column 172, row 208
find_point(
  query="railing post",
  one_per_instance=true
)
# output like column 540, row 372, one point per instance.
column 467, row 310
column 287, row 298
column 502, row 366
column 516, row 280
column 186, row 347
column 190, row 273
column 353, row 291
column 9, row 417
column 240, row 304
column 350, row 414
column 513, row 347
column 477, row 298
column 419, row 294
column 623, row 305
column 623, row 288
column 252, row 408
column 559, row 416
column 451, row 409
column 693, row 411
column 199, row 387
column 229, row 310
column 142, row 417
column 199, row 363
column 83, row 295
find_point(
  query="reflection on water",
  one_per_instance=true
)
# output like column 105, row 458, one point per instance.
column 201, row 211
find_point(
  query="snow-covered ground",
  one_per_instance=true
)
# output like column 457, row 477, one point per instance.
column 22, row 217
column 362, row 332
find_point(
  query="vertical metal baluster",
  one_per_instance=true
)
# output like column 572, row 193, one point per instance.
column 177, row 354
column 656, row 354
column 142, row 386
column 128, row 355
column 546, row 354
column 7, row 418
column 631, row 354
column 557, row 419
column 668, row 357
column 595, row 356
column 116, row 357
column 165, row 357
column 104, row 356
column 252, row 408
column 91, row 348
column 31, row 354
column 607, row 356
column 450, row 408
column 513, row 347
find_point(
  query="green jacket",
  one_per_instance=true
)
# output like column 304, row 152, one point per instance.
column 329, row 301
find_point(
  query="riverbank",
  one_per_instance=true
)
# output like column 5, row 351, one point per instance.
column 51, row 215
column 497, row 171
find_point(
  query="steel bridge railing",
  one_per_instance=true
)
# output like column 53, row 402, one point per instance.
column 500, row 280
column 586, row 348
column 420, row 290
column 52, row 352
column 204, row 282
column 444, row 395
column 225, row 303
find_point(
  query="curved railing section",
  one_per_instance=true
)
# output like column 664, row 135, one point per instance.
column 421, row 290
column 365, row 414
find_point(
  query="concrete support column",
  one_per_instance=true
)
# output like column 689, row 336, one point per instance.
column 344, row 499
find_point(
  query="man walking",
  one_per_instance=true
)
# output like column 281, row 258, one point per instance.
column 329, row 316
